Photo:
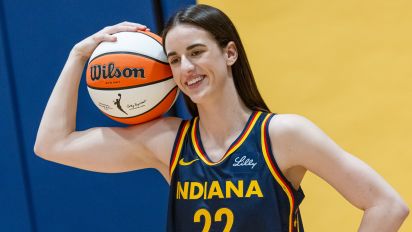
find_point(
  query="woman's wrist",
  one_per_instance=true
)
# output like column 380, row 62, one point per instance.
column 75, row 54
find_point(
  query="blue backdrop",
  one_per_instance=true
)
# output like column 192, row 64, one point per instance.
column 40, row 196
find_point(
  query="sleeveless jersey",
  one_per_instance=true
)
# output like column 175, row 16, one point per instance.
column 245, row 191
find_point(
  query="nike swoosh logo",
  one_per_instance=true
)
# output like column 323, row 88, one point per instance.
column 183, row 163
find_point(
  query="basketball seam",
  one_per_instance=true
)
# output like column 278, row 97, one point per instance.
column 150, row 37
column 148, row 109
column 130, row 87
column 130, row 53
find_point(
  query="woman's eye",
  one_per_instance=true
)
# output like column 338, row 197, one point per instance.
column 195, row 53
column 173, row 61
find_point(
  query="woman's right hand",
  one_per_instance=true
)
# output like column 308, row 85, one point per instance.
column 85, row 48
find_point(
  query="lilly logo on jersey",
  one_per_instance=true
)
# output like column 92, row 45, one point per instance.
column 244, row 161
column 183, row 163
column 193, row 190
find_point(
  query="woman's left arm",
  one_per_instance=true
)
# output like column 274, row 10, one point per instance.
column 303, row 144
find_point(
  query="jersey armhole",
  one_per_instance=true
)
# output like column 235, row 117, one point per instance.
column 271, row 161
column 274, row 169
column 177, row 145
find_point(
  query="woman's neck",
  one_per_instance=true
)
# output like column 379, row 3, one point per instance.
column 222, row 120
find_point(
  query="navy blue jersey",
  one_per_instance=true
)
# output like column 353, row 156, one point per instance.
column 244, row 191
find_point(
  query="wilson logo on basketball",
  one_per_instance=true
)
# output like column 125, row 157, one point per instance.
column 111, row 71
column 130, row 80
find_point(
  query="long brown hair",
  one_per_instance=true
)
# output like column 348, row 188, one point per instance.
column 222, row 29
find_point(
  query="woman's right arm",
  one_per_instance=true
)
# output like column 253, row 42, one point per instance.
column 99, row 149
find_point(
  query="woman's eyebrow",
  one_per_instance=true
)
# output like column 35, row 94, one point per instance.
column 195, row 45
column 172, row 53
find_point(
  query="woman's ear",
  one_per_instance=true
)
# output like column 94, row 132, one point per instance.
column 231, row 53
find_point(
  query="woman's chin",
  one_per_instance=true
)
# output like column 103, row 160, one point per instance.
column 197, row 98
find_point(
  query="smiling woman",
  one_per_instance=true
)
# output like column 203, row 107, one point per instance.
column 234, row 158
column 221, row 39
column 199, row 66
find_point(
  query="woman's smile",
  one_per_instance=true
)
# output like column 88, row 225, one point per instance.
column 197, row 62
column 195, row 82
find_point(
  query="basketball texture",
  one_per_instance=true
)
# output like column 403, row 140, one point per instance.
column 130, row 80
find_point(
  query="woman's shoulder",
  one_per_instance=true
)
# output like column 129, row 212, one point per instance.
column 161, row 129
column 158, row 137
column 287, row 124
column 160, row 125
column 297, row 131
column 297, row 136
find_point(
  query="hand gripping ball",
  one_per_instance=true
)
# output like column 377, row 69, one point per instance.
column 130, row 80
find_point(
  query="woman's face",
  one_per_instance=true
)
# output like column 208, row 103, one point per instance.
column 200, row 67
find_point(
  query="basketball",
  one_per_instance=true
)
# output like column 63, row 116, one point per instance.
column 130, row 80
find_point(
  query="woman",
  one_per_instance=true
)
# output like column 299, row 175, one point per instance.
column 235, row 166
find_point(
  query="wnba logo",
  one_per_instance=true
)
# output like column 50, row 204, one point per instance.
column 110, row 71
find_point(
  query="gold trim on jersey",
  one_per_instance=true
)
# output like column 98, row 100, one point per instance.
column 178, row 147
column 231, row 149
column 275, row 172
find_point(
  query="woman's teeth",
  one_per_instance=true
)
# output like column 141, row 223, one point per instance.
column 195, row 80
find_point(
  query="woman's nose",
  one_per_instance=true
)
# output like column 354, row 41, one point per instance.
column 186, row 65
